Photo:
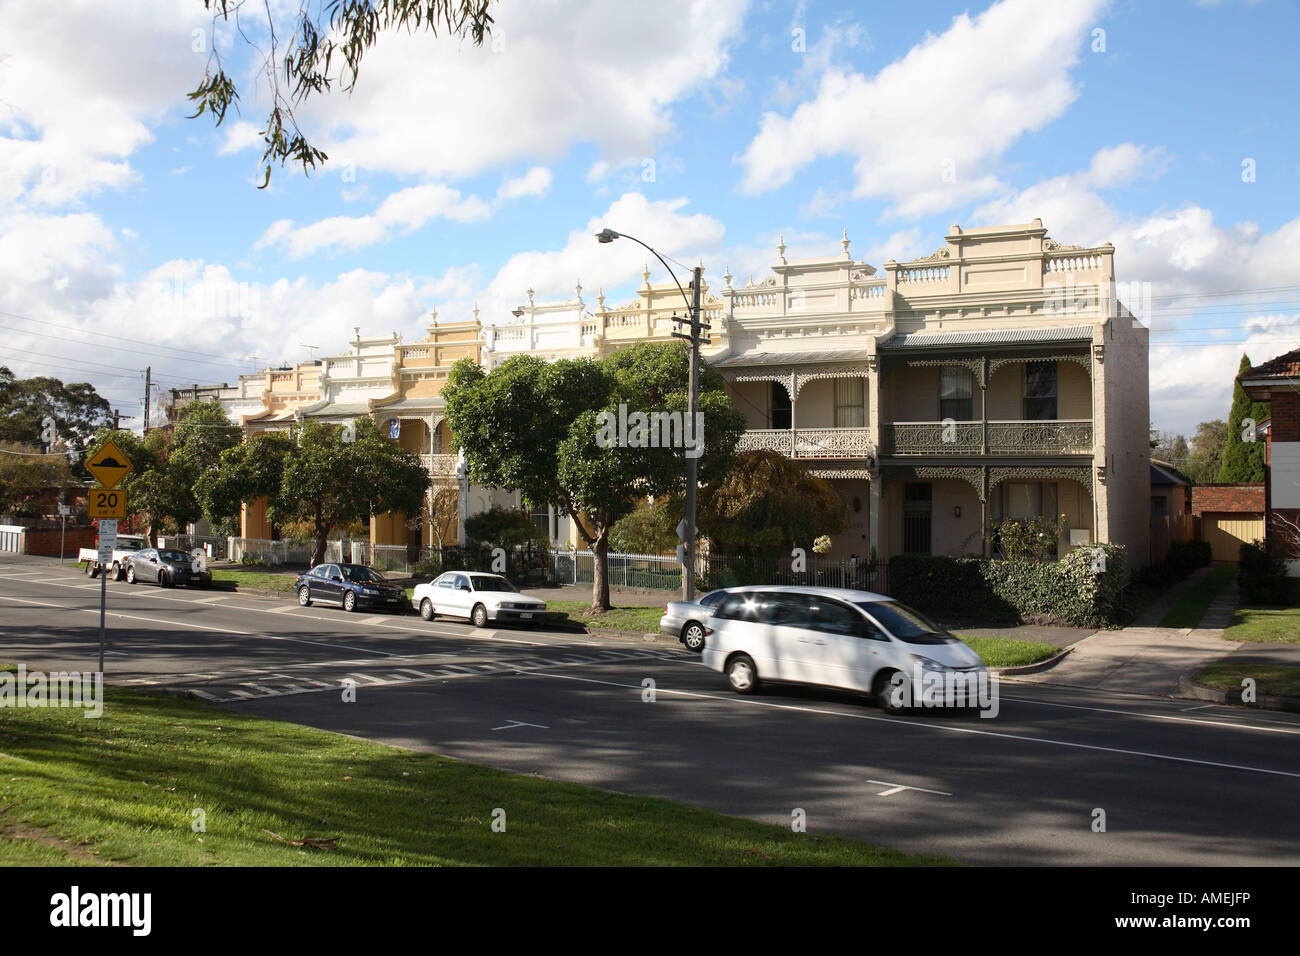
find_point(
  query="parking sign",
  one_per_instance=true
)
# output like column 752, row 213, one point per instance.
column 107, row 540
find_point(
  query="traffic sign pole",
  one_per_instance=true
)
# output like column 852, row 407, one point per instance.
column 103, row 598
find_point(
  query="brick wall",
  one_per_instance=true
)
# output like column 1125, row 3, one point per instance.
column 1284, row 410
column 1240, row 499
column 46, row 541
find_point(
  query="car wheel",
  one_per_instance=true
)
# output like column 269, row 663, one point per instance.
column 742, row 675
column 130, row 574
column 426, row 609
column 350, row 601
column 693, row 636
column 117, row 571
column 164, row 579
column 304, row 596
column 478, row 617
column 91, row 569
column 888, row 693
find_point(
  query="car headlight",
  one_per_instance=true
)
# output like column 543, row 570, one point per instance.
column 369, row 592
column 928, row 664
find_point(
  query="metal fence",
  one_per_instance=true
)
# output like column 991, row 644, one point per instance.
column 217, row 547
column 662, row 572
column 262, row 551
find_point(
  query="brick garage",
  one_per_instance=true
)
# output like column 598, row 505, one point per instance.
column 1230, row 499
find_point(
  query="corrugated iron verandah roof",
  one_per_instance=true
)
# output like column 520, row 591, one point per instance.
column 1081, row 334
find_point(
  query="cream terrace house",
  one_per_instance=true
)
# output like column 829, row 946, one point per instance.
column 999, row 377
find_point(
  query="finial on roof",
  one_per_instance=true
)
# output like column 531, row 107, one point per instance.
column 476, row 310
column 530, row 296
column 726, row 277
column 600, row 297
column 780, row 246
column 645, row 273
column 433, row 318
column 578, row 289
column 844, row 243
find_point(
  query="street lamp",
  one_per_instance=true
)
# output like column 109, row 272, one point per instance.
column 687, row 530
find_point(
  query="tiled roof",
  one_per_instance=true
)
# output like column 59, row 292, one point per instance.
column 918, row 340
column 1288, row 364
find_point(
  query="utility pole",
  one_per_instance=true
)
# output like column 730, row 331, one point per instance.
column 692, row 434
column 148, row 379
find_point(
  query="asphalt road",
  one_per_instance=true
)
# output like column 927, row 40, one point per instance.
column 1180, row 783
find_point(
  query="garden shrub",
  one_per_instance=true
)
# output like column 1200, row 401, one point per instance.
column 1083, row 588
column 1261, row 576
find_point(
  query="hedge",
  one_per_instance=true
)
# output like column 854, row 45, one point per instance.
column 1069, row 590
column 1261, row 576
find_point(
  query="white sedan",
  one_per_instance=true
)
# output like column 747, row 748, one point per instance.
column 480, row 597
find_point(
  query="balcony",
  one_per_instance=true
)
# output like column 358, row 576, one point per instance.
column 1005, row 438
column 439, row 466
column 810, row 442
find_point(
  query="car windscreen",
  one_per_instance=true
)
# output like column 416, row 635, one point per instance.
column 360, row 575
column 173, row 555
column 906, row 624
column 491, row 584
column 712, row 599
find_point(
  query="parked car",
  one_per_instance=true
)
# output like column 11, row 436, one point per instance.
column 687, row 620
column 350, row 586
column 833, row 637
column 127, row 545
column 166, row 568
column 482, row 598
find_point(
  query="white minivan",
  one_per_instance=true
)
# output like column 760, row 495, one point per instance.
column 836, row 637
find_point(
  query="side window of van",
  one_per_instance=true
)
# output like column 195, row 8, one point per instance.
column 787, row 610
column 831, row 617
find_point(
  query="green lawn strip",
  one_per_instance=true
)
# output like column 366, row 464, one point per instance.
column 266, row 580
column 1278, row 625
column 1189, row 610
column 619, row 618
column 1008, row 652
column 1278, row 680
column 124, row 788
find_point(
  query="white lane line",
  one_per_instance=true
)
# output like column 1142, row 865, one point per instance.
column 1235, row 725
column 900, row 787
column 204, row 694
column 240, row 693
column 62, row 607
column 1189, row 709
column 935, row 727
column 262, row 687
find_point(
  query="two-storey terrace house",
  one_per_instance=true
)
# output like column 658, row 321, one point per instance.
column 999, row 377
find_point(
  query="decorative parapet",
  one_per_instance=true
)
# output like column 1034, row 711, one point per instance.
column 810, row 442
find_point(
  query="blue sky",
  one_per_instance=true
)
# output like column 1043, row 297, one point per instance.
column 460, row 175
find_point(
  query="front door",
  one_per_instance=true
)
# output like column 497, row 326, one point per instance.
column 916, row 518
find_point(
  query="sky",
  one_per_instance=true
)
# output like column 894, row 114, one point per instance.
column 134, row 236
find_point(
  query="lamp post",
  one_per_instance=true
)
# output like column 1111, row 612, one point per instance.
column 687, row 531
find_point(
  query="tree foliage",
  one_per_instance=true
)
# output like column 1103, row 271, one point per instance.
column 79, row 412
column 537, row 427
column 766, row 503
column 1206, row 455
column 315, row 477
column 1243, row 455
column 27, row 473
column 503, row 528
column 329, row 37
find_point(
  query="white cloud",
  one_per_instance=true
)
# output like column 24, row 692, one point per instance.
column 80, row 88
column 925, row 131
column 403, row 211
column 662, row 223
column 555, row 74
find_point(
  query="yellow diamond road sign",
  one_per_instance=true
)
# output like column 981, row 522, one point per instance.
column 109, row 465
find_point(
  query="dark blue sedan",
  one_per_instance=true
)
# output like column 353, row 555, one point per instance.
column 350, row 586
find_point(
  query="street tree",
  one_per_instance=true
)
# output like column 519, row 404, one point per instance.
column 548, row 429
column 331, row 482
column 245, row 473
column 1243, row 455
column 1206, row 455
column 27, row 472
column 325, row 46
column 78, row 411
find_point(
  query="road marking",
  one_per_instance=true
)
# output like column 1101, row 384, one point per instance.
column 1235, row 725
column 933, row 726
column 520, row 723
column 8, row 597
column 204, row 694
column 900, row 787
column 1201, row 707
column 262, row 688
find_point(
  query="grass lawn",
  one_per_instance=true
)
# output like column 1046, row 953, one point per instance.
column 1189, row 611
column 123, row 787
column 1278, row 680
column 266, row 580
column 619, row 618
column 1279, row 625
column 1006, row 652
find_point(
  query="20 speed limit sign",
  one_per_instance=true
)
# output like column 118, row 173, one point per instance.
column 106, row 503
